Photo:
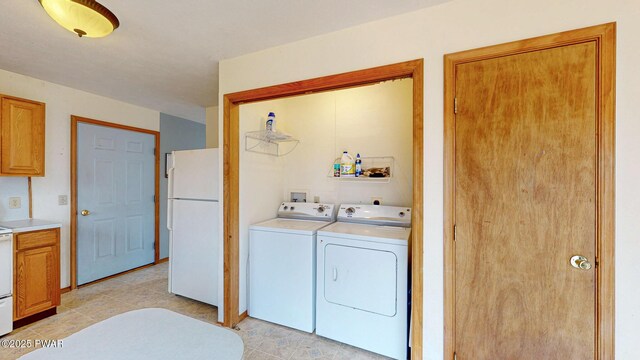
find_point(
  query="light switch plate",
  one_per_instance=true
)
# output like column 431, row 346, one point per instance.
column 62, row 200
column 15, row 203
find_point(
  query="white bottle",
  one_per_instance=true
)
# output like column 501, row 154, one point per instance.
column 347, row 165
column 271, row 122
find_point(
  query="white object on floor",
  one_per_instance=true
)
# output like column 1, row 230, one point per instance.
column 154, row 334
column 282, row 265
column 362, row 278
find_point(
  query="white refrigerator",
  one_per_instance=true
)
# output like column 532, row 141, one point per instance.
column 193, row 214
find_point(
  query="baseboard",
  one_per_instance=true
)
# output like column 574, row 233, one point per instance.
column 243, row 316
column 33, row 318
column 65, row 290
column 162, row 260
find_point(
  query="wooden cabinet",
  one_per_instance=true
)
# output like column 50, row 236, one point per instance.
column 21, row 137
column 37, row 272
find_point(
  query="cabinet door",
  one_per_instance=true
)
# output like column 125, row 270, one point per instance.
column 37, row 280
column 22, row 138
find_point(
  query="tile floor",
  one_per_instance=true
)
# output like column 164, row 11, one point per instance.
column 148, row 288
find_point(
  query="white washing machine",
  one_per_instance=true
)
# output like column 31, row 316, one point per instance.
column 362, row 278
column 282, row 265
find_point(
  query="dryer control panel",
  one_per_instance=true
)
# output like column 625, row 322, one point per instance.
column 375, row 214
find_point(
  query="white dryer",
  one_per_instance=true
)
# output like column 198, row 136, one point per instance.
column 362, row 278
column 282, row 265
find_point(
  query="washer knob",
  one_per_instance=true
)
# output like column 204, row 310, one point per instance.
column 286, row 207
column 350, row 211
column 320, row 209
column 292, row 208
column 401, row 214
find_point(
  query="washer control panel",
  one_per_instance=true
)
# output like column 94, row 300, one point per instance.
column 310, row 211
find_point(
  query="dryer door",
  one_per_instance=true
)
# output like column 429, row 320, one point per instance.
column 361, row 278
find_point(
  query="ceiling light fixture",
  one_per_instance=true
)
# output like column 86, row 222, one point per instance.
column 83, row 17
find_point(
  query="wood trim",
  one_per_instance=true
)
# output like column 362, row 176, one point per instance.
column 74, row 188
column 65, row 290
column 157, row 198
column 30, row 197
column 243, row 316
column 606, row 193
column 417, row 219
column 327, row 83
column 22, row 99
column 410, row 69
column 164, row 260
column 231, row 228
column 113, row 125
column 73, row 209
column 605, row 38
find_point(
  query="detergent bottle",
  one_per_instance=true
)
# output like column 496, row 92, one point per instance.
column 347, row 165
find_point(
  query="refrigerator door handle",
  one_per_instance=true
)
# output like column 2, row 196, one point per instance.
column 169, row 201
column 170, row 214
column 170, row 172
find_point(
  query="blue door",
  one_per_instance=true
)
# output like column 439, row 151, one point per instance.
column 116, row 208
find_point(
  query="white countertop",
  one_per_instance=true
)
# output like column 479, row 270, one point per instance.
column 29, row 225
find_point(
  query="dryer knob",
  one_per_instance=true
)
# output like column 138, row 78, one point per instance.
column 292, row 208
column 401, row 214
column 286, row 207
column 320, row 209
column 350, row 211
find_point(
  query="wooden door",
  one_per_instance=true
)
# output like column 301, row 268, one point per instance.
column 116, row 201
column 22, row 139
column 525, row 203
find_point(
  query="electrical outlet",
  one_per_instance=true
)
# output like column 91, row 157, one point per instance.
column 376, row 200
column 316, row 199
column 62, row 200
column 15, row 203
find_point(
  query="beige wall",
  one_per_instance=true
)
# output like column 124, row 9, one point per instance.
column 461, row 25
column 375, row 121
column 212, row 127
column 62, row 102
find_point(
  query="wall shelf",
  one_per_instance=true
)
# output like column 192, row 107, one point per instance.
column 269, row 142
column 369, row 163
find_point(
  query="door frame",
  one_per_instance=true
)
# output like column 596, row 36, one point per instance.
column 75, row 120
column 231, row 127
column 604, row 37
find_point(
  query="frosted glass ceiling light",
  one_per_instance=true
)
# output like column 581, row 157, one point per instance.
column 83, row 17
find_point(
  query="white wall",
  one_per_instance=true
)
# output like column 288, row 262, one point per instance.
column 261, row 182
column 461, row 25
column 14, row 187
column 61, row 103
column 375, row 121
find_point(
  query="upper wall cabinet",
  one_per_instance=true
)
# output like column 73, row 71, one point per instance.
column 21, row 137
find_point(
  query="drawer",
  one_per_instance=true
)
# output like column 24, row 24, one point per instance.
column 36, row 239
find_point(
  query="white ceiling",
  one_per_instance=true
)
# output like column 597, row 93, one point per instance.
column 165, row 54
